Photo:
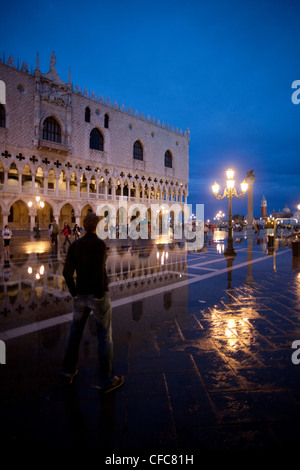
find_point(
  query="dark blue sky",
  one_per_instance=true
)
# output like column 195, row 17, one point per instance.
column 223, row 69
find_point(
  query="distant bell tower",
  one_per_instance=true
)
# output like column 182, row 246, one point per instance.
column 263, row 207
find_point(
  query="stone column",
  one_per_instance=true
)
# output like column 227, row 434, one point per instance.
column 56, row 185
column 56, row 218
column 20, row 183
column 250, row 180
column 5, row 215
column 32, row 215
column 5, row 180
column 33, row 184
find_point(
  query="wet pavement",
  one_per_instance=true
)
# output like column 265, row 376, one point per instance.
column 204, row 342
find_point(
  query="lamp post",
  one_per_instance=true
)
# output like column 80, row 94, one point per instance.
column 219, row 217
column 38, row 205
column 230, row 191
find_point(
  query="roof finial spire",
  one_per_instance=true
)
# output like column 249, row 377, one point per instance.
column 52, row 62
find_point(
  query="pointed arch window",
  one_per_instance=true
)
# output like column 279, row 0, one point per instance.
column 138, row 151
column 96, row 139
column 87, row 115
column 168, row 159
column 51, row 130
column 106, row 121
column 2, row 115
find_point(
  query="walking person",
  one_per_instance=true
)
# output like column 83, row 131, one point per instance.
column 205, row 232
column 50, row 228
column 54, row 234
column 6, row 234
column 67, row 233
column 76, row 231
column 87, row 257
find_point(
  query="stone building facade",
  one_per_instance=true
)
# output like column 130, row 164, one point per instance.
column 75, row 151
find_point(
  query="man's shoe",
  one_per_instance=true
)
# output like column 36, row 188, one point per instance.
column 116, row 382
column 68, row 379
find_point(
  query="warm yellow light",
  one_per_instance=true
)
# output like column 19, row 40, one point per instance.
column 42, row 269
column 215, row 188
column 29, row 203
column 244, row 186
column 37, row 276
column 298, row 207
column 29, row 270
column 230, row 184
column 42, row 204
column 37, row 198
column 230, row 174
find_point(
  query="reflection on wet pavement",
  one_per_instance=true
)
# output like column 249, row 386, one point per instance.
column 204, row 342
column 32, row 280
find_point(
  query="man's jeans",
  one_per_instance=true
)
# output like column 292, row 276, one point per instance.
column 83, row 305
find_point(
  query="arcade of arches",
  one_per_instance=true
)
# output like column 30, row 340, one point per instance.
column 69, row 196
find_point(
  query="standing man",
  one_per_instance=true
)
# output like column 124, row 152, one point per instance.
column 87, row 256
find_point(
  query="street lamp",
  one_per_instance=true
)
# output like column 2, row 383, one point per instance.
column 37, row 205
column 219, row 217
column 230, row 191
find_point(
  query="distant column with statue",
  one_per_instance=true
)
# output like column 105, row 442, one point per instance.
column 250, row 180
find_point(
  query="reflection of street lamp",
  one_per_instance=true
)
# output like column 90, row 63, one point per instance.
column 38, row 205
column 39, row 272
column 230, row 191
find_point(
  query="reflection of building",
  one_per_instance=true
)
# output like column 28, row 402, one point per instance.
column 147, row 296
column 77, row 150
column 32, row 286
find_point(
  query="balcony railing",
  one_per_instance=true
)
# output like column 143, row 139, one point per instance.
column 53, row 146
column 76, row 194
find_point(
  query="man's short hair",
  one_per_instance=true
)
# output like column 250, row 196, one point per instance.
column 90, row 222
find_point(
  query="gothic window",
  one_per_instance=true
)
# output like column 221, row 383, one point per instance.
column 51, row 130
column 2, row 116
column 137, row 151
column 168, row 159
column 106, row 120
column 87, row 116
column 96, row 139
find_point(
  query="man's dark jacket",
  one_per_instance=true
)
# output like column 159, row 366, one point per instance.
column 87, row 257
